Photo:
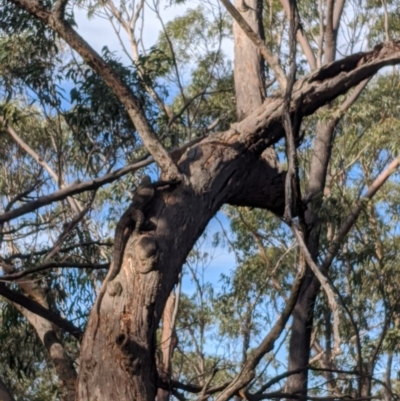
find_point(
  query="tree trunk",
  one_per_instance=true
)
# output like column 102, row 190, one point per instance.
column 224, row 168
column 366, row 379
column 248, row 64
column 249, row 77
column 388, row 380
column 118, row 348
column 130, row 344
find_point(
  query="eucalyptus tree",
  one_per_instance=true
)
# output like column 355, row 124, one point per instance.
column 214, row 142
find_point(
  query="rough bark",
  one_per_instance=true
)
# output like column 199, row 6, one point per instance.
column 129, row 317
column 225, row 168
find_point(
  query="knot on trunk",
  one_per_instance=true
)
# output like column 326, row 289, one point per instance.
column 145, row 253
column 131, row 352
column 114, row 288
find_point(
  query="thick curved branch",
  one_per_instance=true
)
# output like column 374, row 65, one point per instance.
column 38, row 309
column 263, row 127
column 133, row 106
column 255, row 188
column 261, row 184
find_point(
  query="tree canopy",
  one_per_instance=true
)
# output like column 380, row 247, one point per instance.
column 270, row 130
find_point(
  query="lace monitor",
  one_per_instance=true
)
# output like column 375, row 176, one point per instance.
column 130, row 222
